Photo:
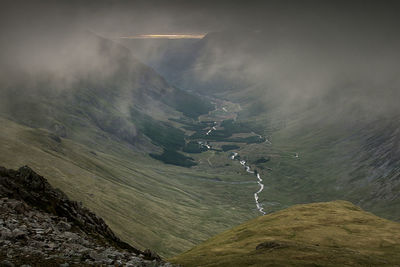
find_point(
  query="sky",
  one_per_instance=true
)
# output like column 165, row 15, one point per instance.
column 151, row 17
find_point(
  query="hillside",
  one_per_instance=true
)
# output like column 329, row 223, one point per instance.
column 108, row 90
column 327, row 154
column 147, row 204
column 39, row 225
column 324, row 234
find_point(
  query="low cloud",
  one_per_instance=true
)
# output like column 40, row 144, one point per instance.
column 293, row 54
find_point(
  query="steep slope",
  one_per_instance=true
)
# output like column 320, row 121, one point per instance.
column 327, row 234
column 322, row 156
column 41, row 226
column 358, row 162
column 113, row 93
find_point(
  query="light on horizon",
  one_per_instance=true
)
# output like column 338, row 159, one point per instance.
column 164, row 36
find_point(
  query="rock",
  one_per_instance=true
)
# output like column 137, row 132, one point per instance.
column 97, row 256
column 52, row 245
column 69, row 235
column 19, row 207
column 135, row 262
column 28, row 186
column 10, row 225
column 118, row 263
column 108, row 261
column 113, row 254
column 63, row 226
column 6, row 234
column 40, row 223
column 18, row 233
column 84, row 242
column 148, row 254
column 270, row 245
column 6, row 263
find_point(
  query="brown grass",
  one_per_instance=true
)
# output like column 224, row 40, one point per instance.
column 320, row 234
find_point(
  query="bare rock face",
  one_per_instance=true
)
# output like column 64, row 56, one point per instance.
column 40, row 226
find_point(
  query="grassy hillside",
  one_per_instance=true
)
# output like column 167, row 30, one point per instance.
column 148, row 204
column 320, row 234
column 323, row 157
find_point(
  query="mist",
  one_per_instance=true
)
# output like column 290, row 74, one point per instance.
column 292, row 54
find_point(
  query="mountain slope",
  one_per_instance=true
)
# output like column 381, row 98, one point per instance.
column 146, row 203
column 41, row 226
column 327, row 234
column 115, row 93
column 321, row 156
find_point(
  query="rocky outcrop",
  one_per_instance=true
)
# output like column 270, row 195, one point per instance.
column 39, row 225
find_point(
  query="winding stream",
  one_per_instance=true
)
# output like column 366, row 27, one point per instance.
column 247, row 167
column 259, row 181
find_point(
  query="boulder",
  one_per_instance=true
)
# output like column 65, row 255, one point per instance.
column 149, row 254
column 270, row 245
column 6, row 263
column 6, row 234
column 63, row 226
column 18, row 233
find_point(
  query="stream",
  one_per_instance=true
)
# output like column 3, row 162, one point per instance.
column 247, row 167
column 259, row 181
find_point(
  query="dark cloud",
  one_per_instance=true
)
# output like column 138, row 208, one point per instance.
column 171, row 16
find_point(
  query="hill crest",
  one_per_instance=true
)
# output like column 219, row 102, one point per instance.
column 334, row 233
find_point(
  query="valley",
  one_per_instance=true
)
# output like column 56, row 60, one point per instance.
column 146, row 203
column 210, row 140
column 337, row 141
column 233, row 155
column 151, row 204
